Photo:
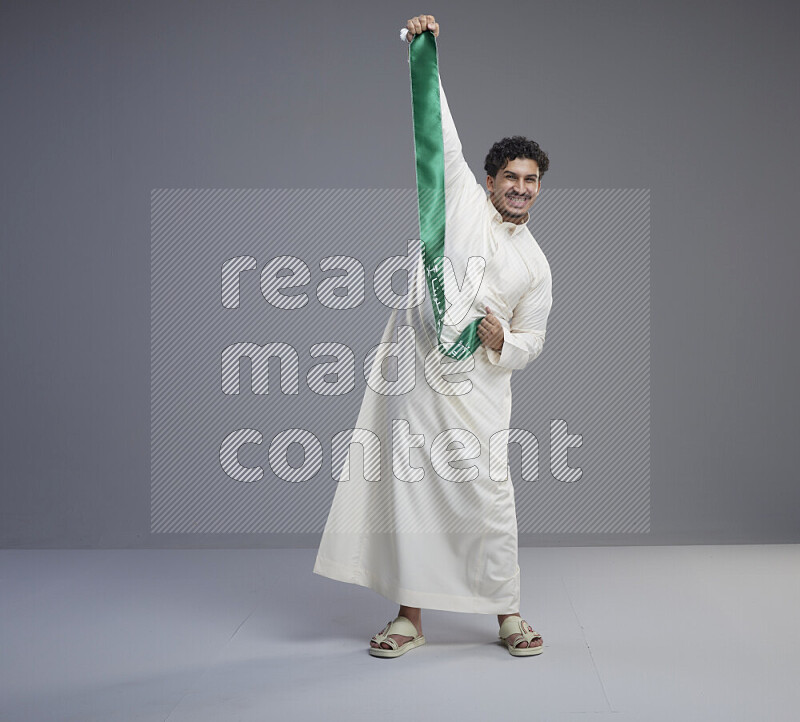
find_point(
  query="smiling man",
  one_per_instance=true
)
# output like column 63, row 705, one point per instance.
column 448, row 540
column 514, row 176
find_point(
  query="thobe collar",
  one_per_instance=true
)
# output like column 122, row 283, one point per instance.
column 511, row 229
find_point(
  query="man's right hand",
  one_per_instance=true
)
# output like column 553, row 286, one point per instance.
column 420, row 24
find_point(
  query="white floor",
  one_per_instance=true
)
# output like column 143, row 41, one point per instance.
column 630, row 633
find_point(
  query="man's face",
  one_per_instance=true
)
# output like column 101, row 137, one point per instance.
column 514, row 188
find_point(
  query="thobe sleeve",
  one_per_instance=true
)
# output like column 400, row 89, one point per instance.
column 524, row 340
column 458, row 178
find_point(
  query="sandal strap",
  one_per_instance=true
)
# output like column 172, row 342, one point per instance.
column 517, row 625
column 399, row 625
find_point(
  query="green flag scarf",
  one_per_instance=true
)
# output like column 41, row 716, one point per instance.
column 429, row 152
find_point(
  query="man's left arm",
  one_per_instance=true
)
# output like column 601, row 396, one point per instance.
column 524, row 340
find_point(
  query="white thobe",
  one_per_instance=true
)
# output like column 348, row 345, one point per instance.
column 429, row 525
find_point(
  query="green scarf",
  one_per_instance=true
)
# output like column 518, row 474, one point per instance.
column 429, row 152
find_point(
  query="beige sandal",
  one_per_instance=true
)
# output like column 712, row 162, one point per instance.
column 399, row 625
column 517, row 625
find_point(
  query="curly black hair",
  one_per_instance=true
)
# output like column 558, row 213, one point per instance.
column 517, row 146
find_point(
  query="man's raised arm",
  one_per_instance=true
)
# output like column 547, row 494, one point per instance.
column 457, row 174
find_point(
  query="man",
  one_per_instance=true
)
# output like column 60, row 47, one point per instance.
column 434, row 543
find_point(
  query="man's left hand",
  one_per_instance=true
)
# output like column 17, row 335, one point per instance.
column 490, row 331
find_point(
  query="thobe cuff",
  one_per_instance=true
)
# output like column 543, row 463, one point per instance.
column 511, row 356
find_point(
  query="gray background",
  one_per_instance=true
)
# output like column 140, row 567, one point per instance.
column 103, row 102
column 595, row 376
